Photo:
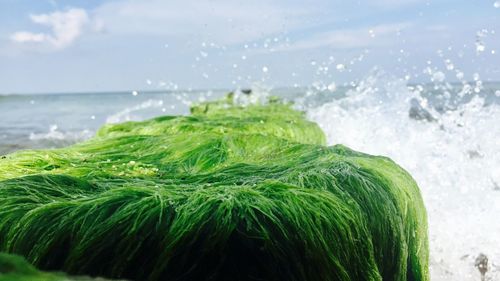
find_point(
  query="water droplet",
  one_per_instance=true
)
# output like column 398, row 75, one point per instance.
column 92, row 117
column 449, row 64
column 149, row 82
column 496, row 4
column 134, row 93
column 480, row 47
column 438, row 77
column 243, row 57
column 475, row 76
column 265, row 69
column 340, row 67
column 320, row 86
column 332, row 87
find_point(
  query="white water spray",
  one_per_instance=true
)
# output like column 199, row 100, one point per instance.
column 454, row 158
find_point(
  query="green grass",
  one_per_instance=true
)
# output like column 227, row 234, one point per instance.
column 228, row 193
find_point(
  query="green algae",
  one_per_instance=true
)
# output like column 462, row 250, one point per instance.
column 16, row 268
column 227, row 193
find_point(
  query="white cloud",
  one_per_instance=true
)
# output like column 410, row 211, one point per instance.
column 23, row 37
column 65, row 26
column 222, row 21
column 367, row 37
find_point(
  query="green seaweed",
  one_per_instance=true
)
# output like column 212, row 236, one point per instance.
column 16, row 268
column 228, row 193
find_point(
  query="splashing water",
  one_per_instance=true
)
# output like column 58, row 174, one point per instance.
column 126, row 114
column 56, row 135
column 57, row 138
column 480, row 35
column 454, row 157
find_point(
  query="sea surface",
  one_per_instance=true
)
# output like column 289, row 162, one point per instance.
column 446, row 135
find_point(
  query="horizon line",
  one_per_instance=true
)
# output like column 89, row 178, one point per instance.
column 154, row 91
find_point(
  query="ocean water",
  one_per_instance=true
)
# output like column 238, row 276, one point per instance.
column 446, row 135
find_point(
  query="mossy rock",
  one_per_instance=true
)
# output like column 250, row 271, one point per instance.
column 228, row 193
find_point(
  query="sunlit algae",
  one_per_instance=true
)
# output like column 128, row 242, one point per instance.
column 230, row 192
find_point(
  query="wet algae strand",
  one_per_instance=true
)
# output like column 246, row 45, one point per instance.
column 228, row 193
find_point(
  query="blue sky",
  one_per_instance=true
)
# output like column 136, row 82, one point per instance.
column 78, row 46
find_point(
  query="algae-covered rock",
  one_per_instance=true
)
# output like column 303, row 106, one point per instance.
column 228, row 193
column 16, row 268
